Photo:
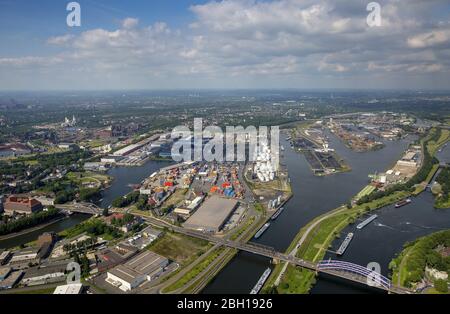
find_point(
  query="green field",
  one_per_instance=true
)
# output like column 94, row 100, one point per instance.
column 366, row 191
column 194, row 272
column 179, row 248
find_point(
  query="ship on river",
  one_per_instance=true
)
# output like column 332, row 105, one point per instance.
column 345, row 244
column 261, row 281
column 277, row 213
column 366, row 222
column 262, row 230
column 403, row 203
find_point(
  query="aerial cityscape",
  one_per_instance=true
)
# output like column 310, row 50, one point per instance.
column 224, row 147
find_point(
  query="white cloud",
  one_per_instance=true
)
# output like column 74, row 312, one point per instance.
column 130, row 22
column 430, row 39
column 259, row 42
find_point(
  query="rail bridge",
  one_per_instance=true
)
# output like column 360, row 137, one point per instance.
column 340, row 269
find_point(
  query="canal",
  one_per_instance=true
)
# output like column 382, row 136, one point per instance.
column 124, row 177
column 314, row 196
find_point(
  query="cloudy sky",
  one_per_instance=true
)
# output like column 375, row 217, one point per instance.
column 173, row 44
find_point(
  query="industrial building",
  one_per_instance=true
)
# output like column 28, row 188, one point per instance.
column 21, row 259
column 4, row 272
column 21, row 205
column 212, row 215
column 75, row 288
column 11, row 280
column 44, row 275
column 145, row 266
column 4, row 257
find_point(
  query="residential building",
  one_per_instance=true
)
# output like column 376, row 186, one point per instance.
column 21, row 205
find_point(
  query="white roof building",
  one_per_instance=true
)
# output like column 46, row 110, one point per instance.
column 74, row 288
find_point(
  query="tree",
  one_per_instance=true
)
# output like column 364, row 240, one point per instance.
column 105, row 212
column 441, row 285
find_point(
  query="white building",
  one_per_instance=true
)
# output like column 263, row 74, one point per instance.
column 75, row 288
column 145, row 267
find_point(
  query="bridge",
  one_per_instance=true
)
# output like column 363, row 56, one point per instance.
column 83, row 208
column 340, row 269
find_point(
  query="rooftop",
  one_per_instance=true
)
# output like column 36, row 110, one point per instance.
column 69, row 289
column 143, row 264
column 212, row 213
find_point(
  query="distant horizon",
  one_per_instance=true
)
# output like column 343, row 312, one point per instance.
column 318, row 89
column 224, row 44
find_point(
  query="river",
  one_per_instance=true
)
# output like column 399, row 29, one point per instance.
column 314, row 196
column 123, row 178
column 383, row 239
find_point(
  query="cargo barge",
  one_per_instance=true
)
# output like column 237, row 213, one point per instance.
column 261, row 281
column 345, row 244
column 277, row 213
column 262, row 230
column 403, row 203
column 366, row 222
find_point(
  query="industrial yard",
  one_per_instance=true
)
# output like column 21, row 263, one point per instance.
column 313, row 143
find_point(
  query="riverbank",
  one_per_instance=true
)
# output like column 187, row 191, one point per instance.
column 313, row 241
column 32, row 229
column 409, row 268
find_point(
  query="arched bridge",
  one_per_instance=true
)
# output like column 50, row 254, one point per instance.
column 370, row 277
column 84, row 208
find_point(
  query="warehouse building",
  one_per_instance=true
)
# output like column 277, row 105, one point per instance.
column 145, row 266
column 212, row 215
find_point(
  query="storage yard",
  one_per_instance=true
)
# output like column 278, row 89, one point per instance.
column 313, row 143
column 212, row 214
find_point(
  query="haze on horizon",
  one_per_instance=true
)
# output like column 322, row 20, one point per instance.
column 227, row 44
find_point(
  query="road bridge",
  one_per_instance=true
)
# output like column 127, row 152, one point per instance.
column 345, row 270
column 83, row 208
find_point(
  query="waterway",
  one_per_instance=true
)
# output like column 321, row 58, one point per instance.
column 314, row 196
column 124, row 177
column 384, row 238
column 58, row 226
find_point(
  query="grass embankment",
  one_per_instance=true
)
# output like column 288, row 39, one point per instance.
column 442, row 189
column 434, row 146
column 409, row 266
column 200, row 267
column 366, row 191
